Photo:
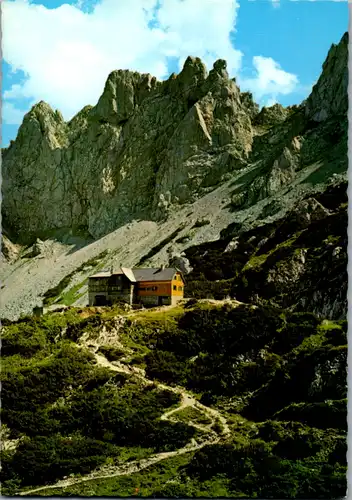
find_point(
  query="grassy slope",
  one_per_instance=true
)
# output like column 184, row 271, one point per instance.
column 272, row 373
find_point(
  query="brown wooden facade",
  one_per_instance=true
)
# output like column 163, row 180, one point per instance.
column 106, row 288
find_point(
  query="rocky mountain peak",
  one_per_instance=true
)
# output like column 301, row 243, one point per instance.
column 251, row 107
column 40, row 124
column 124, row 91
column 271, row 115
column 220, row 67
column 44, row 115
column 193, row 71
column 329, row 95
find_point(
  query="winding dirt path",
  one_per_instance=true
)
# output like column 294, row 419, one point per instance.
column 187, row 400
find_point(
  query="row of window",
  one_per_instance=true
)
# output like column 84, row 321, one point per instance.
column 98, row 288
column 118, row 288
column 154, row 288
column 148, row 289
column 105, row 288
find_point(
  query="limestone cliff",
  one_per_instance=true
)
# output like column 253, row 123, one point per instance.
column 145, row 144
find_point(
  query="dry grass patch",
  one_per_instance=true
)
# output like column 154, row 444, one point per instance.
column 159, row 316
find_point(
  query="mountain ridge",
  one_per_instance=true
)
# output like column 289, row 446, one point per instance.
column 160, row 140
column 191, row 157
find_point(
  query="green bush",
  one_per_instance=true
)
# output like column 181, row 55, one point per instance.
column 26, row 343
column 325, row 414
column 256, row 471
column 228, row 459
column 28, row 336
column 27, row 390
column 42, row 460
column 298, row 327
column 75, row 330
column 166, row 366
column 129, row 416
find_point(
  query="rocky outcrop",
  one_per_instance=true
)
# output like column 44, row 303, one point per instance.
column 123, row 93
column 329, row 95
column 9, row 251
column 179, row 261
column 272, row 115
column 298, row 262
column 307, row 211
column 250, row 105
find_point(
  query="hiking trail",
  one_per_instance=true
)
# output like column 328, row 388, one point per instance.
column 187, row 400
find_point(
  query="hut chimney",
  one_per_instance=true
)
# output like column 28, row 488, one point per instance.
column 112, row 270
column 162, row 267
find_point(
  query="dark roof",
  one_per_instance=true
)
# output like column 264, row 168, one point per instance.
column 154, row 274
column 145, row 274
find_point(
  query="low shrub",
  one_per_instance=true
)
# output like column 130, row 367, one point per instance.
column 324, row 414
column 42, row 460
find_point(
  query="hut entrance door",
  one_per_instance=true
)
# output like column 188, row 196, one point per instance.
column 100, row 300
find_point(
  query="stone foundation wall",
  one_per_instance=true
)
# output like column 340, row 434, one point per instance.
column 167, row 301
column 130, row 298
column 175, row 300
column 149, row 300
column 121, row 297
column 153, row 300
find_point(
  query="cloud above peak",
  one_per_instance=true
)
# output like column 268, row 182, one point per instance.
column 66, row 53
column 270, row 79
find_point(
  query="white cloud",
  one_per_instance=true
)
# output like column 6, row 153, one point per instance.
column 270, row 80
column 67, row 53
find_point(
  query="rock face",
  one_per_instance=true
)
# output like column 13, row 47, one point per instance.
column 9, row 251
column 180, row 261
column 143, row 142
column 272, row 115
column 329, row 95
column 149, row 147
column 298, row 262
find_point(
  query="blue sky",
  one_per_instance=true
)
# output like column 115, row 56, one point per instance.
column 62, row 54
